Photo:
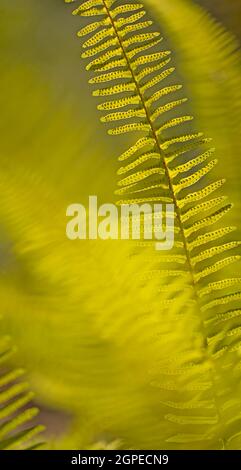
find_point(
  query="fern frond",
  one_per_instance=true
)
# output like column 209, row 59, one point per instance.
column 134, row 72
column 180, row 175
column 15, row 398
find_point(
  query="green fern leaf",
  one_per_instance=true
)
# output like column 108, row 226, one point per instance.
column 15, row 412
column 170, row 169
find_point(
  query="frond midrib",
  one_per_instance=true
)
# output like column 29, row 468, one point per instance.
column 162, row 155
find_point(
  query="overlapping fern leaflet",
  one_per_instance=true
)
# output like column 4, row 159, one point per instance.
column 15, row 412
column 124, row 54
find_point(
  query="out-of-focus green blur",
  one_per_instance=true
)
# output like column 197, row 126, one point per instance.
column 228, row 12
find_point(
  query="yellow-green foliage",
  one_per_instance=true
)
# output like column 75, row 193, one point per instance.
column 208, row 58
column 167, row 167
column 15, row 397
column 138, row 349
column 179, row 174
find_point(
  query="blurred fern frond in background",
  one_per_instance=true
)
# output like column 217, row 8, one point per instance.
column 15, row 399
column 120, row 356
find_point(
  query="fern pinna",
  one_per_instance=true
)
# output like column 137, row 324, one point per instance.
column 125, row 58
